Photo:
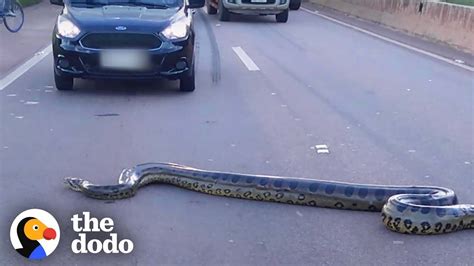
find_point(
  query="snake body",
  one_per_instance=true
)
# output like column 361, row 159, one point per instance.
column 405, row 209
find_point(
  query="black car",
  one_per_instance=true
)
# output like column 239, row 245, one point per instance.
column 124, row 39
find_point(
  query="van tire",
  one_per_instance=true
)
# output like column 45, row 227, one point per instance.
column 224, row 14
column 295, row 4
column 282, row 17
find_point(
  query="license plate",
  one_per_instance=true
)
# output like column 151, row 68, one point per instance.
column 124, row 59
column 258, row 1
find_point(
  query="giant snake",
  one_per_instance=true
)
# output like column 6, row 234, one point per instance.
column 421, row 210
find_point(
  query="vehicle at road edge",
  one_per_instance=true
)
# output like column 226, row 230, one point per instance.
column 139, row 39
column 224, row 8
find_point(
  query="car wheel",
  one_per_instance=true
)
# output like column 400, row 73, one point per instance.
column 224, row 14
column 283, row 16
column 187, row 83
column 295, row 4
column 63, row 83
column 210, row 9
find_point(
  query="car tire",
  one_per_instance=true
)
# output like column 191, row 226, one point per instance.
column 63, row 83
column 282, row 17
column 295, row 4
column 210, row 9
column 224, row 14
column 187, row 83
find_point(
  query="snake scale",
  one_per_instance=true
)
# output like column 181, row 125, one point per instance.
column 405, row 209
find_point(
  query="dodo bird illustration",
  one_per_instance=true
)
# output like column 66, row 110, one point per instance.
column 29, row 231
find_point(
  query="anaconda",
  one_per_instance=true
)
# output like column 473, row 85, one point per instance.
column 405, row 209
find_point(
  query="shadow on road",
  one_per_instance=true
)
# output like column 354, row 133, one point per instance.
column 128, row 87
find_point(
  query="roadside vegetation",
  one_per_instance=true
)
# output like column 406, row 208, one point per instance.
column 461, row 2
column 28, row 2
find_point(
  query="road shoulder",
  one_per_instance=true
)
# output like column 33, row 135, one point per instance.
column 428, row 45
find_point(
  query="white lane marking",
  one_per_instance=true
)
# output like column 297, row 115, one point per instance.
column 31, row 103
column 321, row 148
column 245, row 58
column 25, row 67
column 409, row 47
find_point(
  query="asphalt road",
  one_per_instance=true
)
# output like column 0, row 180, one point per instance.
column 387, row 114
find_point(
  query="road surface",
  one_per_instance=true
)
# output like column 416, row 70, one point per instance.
column 387, row 114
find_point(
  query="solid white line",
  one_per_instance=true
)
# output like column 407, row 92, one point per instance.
column 248, row 62
column 7, row 80
column 409, row 47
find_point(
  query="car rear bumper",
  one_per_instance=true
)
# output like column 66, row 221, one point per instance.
column 171, row 60
column 256, row 8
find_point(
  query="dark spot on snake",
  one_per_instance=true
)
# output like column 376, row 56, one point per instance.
column 408, row 223
column 447, row 227
column 348, row 191
column 226, row 191
column 293, row 184
column 425, row 210
column 301, row 197
column 389, row 221
column 279, row 195
column 215, row 177
column 210, row 185
column 438, row 227
column 267, row 194
column 209, row 191
column 372, row 208
column 396, row 224
column 379, row 194
column 277, row 183
column 225, row 176
column 248, row 193
column 414, row 208
column 401, row 207
column 235, row 179
column 312, row 203
column 250, row 179
column 263, row 181
column 455, row 226
column 414, row 230
column 313, row 187
column 218, row 191
column 339, row 205
column 363, row 192
column 425, row 226
column 195, row 184
column 330, row 189
column 238, row 196
column 289, row 202
column 354, row 204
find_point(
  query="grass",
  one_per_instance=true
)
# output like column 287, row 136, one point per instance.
column 462, row 2
column 25, row 3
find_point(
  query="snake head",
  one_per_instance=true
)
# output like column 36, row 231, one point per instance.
column 74, row 183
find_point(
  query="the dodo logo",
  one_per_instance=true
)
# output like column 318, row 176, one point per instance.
column 35, row 234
